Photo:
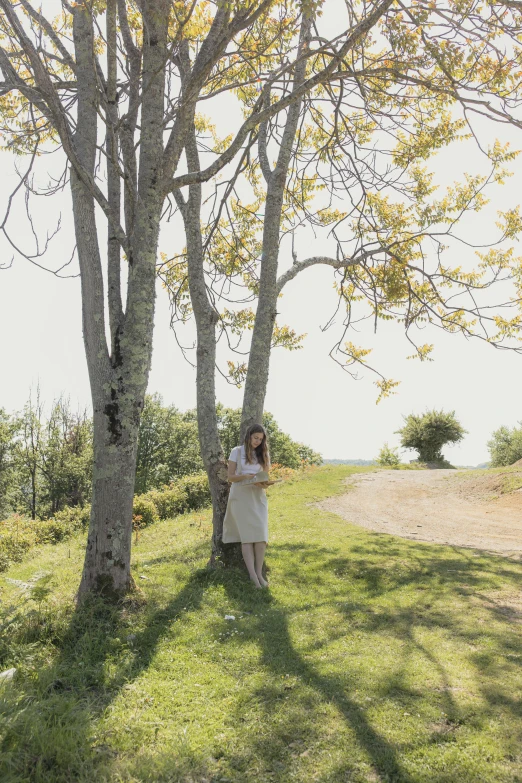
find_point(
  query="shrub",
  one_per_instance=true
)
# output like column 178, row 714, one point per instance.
column 388, row 458
column 185, row 494
column 51, row 531
column 64, row 523
column 505, row 446
column 168, row 502
column 17, row 536
column 278, row 471
column 144, row 507
column 428, row 433
column 196, row 488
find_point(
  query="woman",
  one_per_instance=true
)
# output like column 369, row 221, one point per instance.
column 246, row 518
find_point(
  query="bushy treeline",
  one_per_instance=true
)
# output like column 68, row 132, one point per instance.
column 46, row 459
column 18, row 533
column 168, row 443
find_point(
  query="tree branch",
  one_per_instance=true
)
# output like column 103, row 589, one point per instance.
column 113, row 179
column 213, row 47
column 336, row 263
column 47, row 26
column 261, row 115
column 45, row 97
column 262, row 142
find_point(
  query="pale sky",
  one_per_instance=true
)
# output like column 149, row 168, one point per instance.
column 310, row 396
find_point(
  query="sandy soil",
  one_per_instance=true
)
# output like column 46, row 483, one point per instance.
column 433, row 505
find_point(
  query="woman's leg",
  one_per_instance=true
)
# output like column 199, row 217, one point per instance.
column 248, row 557
column 259, row 555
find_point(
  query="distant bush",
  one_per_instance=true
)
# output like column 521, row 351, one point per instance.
column 169, row 502
column 278, row 471
column 17, row 536
column 428, row 433
column 185, row 494
column 144, row 507
column 388, row 458
column 196, row 488
column 64, row 524
column 505, row 446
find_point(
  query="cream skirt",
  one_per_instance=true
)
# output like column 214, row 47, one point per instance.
column 246, row 518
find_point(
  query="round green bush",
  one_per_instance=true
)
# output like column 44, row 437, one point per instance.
column 388, row 457
column 169, row 502
column 144, row 507
column 63, row 524
column 196, row 488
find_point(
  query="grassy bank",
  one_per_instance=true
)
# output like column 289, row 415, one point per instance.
column 371, row 659
column 494, row 482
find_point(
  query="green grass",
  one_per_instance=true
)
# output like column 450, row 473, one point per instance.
column 371, row 659
column 509, row 477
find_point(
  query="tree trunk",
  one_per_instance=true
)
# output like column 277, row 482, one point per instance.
column 107, row 560
column 259, row 359
column 206, row 319
column 119, row 380
column 33, row 494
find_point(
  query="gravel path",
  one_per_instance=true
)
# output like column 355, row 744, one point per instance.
column 431, row 505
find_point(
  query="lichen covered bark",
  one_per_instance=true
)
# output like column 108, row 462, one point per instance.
column 119, row 379
column 206, row 319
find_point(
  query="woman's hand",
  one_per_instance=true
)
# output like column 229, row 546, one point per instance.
column 263, row 484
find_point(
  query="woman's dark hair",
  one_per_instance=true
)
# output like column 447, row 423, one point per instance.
column 261, row 452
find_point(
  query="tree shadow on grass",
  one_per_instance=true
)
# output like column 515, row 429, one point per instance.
column 460, row 575
column 281, row 659
column 48, row 730
column 50, row 733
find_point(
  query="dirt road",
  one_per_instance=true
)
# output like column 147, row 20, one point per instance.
column 432, row 505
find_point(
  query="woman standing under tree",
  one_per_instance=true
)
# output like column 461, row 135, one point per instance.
column 246, row 518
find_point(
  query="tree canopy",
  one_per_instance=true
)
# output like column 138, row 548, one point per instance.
column 427, row 433
column 505, row 446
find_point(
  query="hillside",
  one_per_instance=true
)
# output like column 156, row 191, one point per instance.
column 372, row 658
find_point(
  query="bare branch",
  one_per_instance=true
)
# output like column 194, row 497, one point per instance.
column 300, row 266
column 47, row 26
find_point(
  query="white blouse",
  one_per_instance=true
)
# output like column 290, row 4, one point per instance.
column 246, row 467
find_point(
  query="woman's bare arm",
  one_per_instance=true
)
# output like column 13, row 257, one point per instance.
column 232, row 473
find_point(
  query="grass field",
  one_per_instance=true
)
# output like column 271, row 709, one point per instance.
column 371, row 658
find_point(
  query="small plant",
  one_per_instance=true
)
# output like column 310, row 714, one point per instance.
column 388, row 458
column 278, row 471
column 137, row 525
column 41, row 590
